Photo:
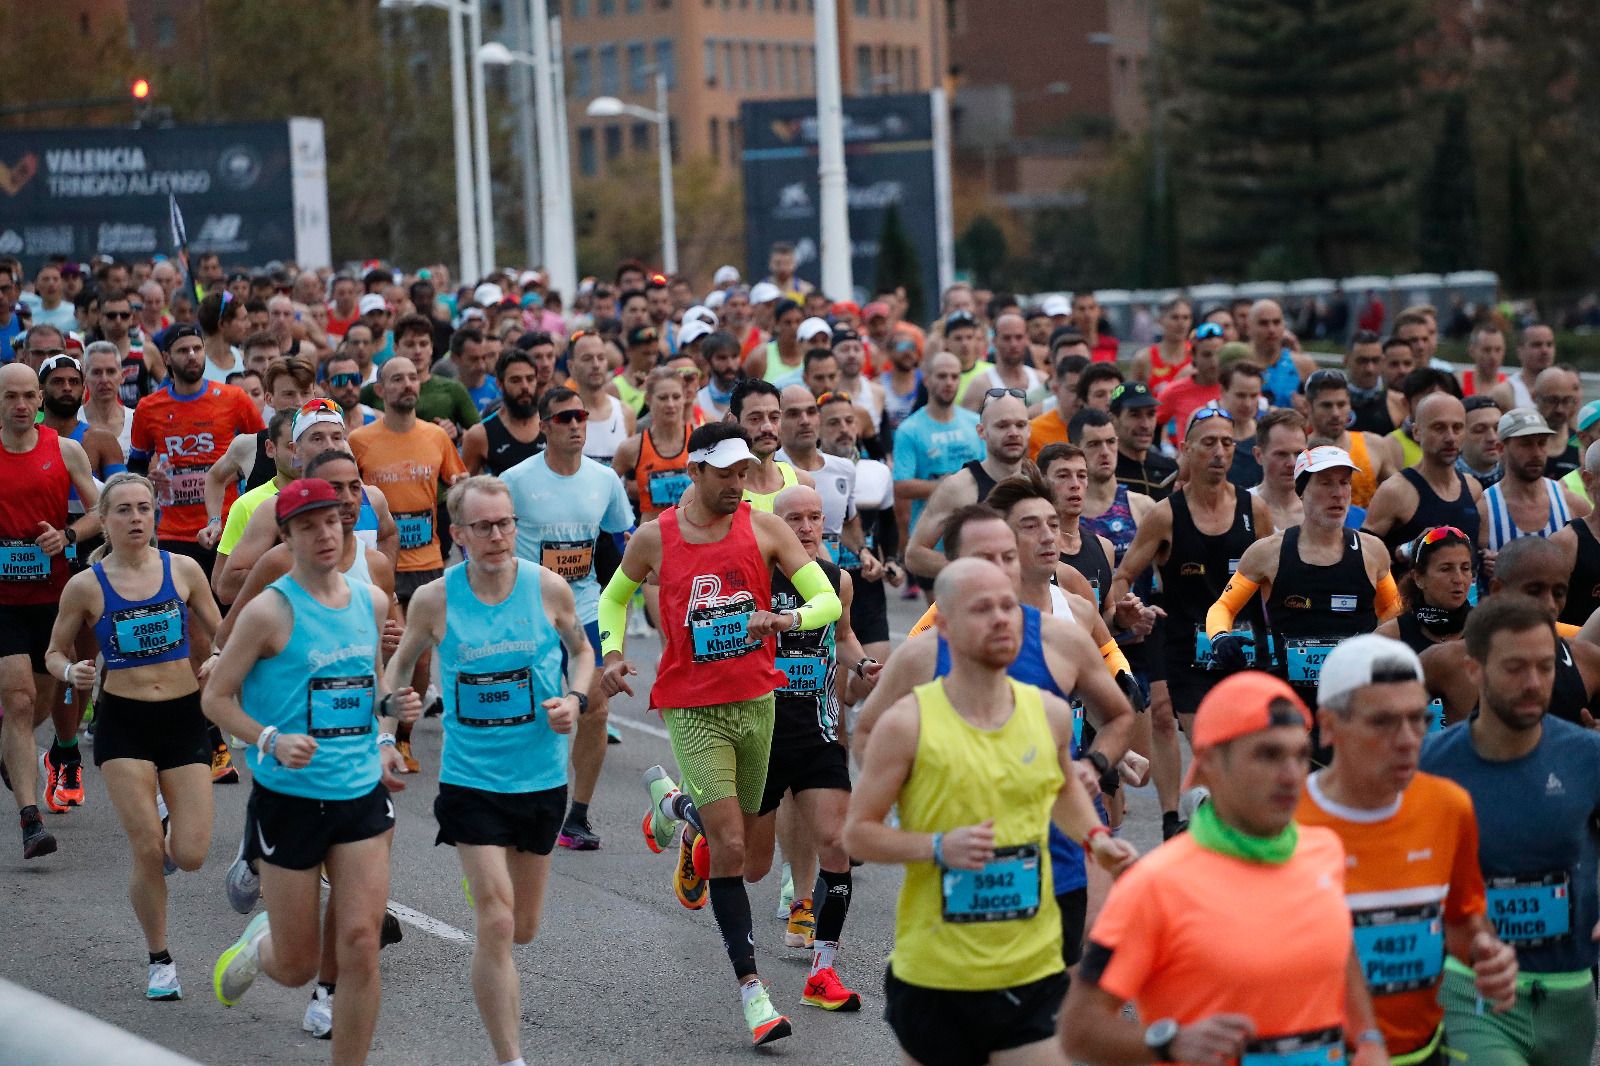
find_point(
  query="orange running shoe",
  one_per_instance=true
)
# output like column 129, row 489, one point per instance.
column 52, row 779
column 687, row 882
column 223, row 772
column 69, row 785
column 825, row 990
column 412, row 765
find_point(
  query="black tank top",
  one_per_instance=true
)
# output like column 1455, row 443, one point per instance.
column 1569, row 695
column 981, row 476
column 1197, row 568
column 265, row 469
column 504, row 450
column 1431, row 511
column 1372, row 415
column 1090, row 561
column 1312, row 608
column 806, row 707
column 1583, row 587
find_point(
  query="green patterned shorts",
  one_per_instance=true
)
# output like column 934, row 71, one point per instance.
column 722, row 750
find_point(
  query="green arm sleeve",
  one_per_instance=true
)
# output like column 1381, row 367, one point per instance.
column 822, row 604
column 614, row 610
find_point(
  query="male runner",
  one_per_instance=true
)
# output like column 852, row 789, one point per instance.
column 1411, row 847
column 564, row 501
column 1374, row 458
column 834, row 478
column 716, row 678
column 1280, row 439
column 62, row 384
column 39, row 469
column 1535, row 784
column 612, row 420
column 1578, row 540
column 102, row 404
column 720, row 353
column 1010, row 371
column 502, row 626
column 307, row 657
column 933, row 441
column 289, row 384
column 1375, row 407
column 511, row 433
column 1233, row 941
column 1066, row 471
column 1526, row 503
column 880, row 533
column 1557, row 395
column 979, row 765
column 757, row 408
column 1003, row 429
column 1432, row 493
column 1140, row 466
column 1241, row 398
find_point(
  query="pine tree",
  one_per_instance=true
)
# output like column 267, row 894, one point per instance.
column 1521, row 263
column 1297, row 116
column 1447, row 203
column 898, row 264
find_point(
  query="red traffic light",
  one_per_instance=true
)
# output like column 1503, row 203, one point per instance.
column 141, row 89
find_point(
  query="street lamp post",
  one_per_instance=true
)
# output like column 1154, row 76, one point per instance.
column 611, row 107
column 837, row 280
column 480, row 134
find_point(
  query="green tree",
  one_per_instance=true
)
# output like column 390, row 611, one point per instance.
column 1295, row 116
column 1447, row 206
column 48, row 55
column 981, row 249
column 614, row 222
column 1520, row 262
column 898, row 264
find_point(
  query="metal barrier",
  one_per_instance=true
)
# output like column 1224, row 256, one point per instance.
column 36, row 1030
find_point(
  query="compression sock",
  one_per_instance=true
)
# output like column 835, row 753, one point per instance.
column 832, row 893
column 681, row 808
column 579, row 813
column 731, row 906
column 159, row 958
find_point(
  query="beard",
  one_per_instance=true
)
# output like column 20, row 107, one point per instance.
column 519, row 409
column 62, row 406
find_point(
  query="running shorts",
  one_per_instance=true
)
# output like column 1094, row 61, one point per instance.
column 869, row 610
column 168, row 733
column 941, row 1027
column 527, row 821
column 1074, row 907
column 407, row 582
column 296, row 833
column 25, row 630
column 1552, row 1021
column 792, row 769
column 723, row 750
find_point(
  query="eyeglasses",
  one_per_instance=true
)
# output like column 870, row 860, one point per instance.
column 572, row 414
column 116, row 316
column 485, row 529
column 834, row 395
column 1207, row 330
column 344, row 381
column 995, row 394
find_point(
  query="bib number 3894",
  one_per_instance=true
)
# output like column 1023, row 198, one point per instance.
column 339, row 706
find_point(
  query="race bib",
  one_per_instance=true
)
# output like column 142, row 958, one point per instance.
column 1400, row 949
column 339, row 706
column 1202, row 646
column 23, row 560
column 1305, row 659
column 1005, row 890
column 187, row 487
column 495, row 700
column 1436, row 715
column 1528, row 911
column 416, row 529
column 570, row 559
column 849, row 560
column 1077, row 724
column 720, row 632
column 835, row 548
column 1322, row 1048
column 667, row 487
column 806, row 673
column 142, row 632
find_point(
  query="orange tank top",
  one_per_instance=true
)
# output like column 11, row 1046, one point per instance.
column 661, row 479
column 1363, row 482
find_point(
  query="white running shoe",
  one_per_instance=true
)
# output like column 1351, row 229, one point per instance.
column 163, row 983
column 319, row 1014
column 244, row 884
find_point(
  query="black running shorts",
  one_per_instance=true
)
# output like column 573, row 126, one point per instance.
column 168, row 733
column 791, row 769
column 527, row 821
column 296, row 833
column 939, row 1027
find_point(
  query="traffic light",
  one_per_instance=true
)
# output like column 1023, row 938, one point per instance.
column 141, row 89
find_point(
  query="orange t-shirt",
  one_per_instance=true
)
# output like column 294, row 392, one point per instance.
column 1191, row 933
column 409, row 468
column 193, row 432
column 1409, row 871
column 1048, row 428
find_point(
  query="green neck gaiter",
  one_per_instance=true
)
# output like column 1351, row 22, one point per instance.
column 1211, row 833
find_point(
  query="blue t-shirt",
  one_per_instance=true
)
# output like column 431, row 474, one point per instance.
column 559, row 518
column 486, row 395
column 928, row 450
column 9, row 330
column 1536, row 839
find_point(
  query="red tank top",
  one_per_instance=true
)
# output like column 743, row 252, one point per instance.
column 1161, row 372
column 36, row 491
column 707, row 594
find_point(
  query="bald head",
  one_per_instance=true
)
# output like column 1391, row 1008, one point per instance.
column 796, row 498
column 998, row 409
column 941, row 359
column 17, row 376
column 1439, row 405
column 1529, row 558
column 964, row 578
column 1266, row 329
column 793, row 395
column 1551, row 377
column 397, row 366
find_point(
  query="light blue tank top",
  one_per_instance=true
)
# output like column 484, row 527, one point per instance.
column 321, row 684
column 500, row 662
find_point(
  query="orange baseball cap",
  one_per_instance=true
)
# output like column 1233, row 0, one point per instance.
column 1244, row 703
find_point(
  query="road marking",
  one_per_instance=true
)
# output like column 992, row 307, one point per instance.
column 643, row 727
column 427, row 924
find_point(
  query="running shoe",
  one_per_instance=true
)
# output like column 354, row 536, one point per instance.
column 686, row 879
column 168, row 867
column 577, row 835
column 612, row 736
column 412, row 765
column 237, row 967
column 163, row 983
column 658, row 828
column 786, row 893
column 825, row 990
column 318, row 1020
column 36, row 840
column 1190, row 802
column 766, row 1024
column 223, row 772
column 52, row 779
column 244, row 884
column 69, row 785
column 391, row 932
column 802, row 929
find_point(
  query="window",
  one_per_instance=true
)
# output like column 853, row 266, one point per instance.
column 863, row 69
column 638, row 80
column 749, row 67
column 761, row 67
column 805, row 54
column 580, row 10
column 914, row 68
column 607, row 7
column 613, row 142
column 582, row 74
column 728, row 80
column 711, row 62
column 863, row 8
column 714, row 127
column 610, row 80
column 166, row 31
column 634, row 7
column 588, row 163
column 639, row 137
column 665, row 62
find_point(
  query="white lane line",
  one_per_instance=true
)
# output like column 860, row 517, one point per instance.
column 643, row 727
column 428, row 924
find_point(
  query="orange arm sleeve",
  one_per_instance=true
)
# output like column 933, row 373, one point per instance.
column 1116, row 662
column 1387, row 602
column 1219, row 619
column 925, row 623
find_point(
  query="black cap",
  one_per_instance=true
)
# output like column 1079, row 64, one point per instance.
column 1065, row 335
column 180, row 331
column 842, row 335
column 1131, row 394
column 642, row 335
column 958, row 319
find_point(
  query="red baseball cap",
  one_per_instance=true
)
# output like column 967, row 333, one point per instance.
column 1241, row 704
column 302, row 495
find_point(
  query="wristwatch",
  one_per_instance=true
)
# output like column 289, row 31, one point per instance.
column 583, row 700
column 1158, row 1037
column 71, row 535
column 1098, row 760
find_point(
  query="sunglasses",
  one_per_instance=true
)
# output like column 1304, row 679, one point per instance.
column 116, row 316
column 1207, row 330
column 1204, row 413
column 344, row 381
column 995, row 394
column 833, row 395
column 319, row 405
column 1438, row 533
column 567, row 417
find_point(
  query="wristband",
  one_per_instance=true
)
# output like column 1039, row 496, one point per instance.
column 1371, row 1036
column 385, row 740
column 860, row 667
column 267, row 742
column 938, row 851
column 1094, row 831
column 383, row 705
column 66, row 673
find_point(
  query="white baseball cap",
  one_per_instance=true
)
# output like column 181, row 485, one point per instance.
column 1365, row 660
column 371, row 302
column 813, row 327
column 764, row 292
column 727, row 452
column 1323, row 457
column 529, row 277
column 715, row 299
column 312, row 414
column 725, row 275
column 701, row 313
column 1057, row 307
column 488, row 294
column 692, row 330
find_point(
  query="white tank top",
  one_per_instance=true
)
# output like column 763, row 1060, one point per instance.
column 358, row 566
column 1060, row 606
column 606, row 436
column 993, row 374
column 871, row 401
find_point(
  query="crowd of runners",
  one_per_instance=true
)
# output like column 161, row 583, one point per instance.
column 278, row 518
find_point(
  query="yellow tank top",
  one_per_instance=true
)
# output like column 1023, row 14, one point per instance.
column 1363, row 482
column 961, row 776
column 762, row 501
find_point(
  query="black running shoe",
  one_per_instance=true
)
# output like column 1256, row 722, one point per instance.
column 36, row 839
column 390, row 933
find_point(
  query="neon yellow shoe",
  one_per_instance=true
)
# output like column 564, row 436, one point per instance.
column 802, row 929
column 766, row 1024
column 237, row 967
